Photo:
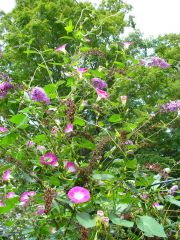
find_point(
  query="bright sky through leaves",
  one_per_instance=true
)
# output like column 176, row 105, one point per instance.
column 152, row 17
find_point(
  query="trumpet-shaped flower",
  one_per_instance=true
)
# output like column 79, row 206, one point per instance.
column 26, row 197
column 101, row 94
column 79, row 194
column 38, row 94
column 100, row 213
column 71, row 167
column 123, row 100
column 68, row 128
column 127, row 44
column 10, row 195
column 173, row 189
column 61, row 48
column 6, row 175
column 3, row 129
column 81, row 71
column 49, row 159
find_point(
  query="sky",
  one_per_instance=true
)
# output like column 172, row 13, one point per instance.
column 152, row 17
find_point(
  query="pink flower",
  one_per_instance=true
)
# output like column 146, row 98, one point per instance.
column 40, row 210
column 49, row 159
column 10, row 195
column 79, row 194
column 68, row 128
column 6, row 175
column 71, row 167
column 98, row 83
column 31, row 193
column 3, row 129
column 157, row 205
column 29, row 144
column 106, row 219
column 2, row 204
column 127, row 44
column 52, row 230
column 81, row 71
column 173, row 189
column 41, row 148
column 101, row 94
column 26, row 197
column 145, row 196
column 123, row 100
column 100, row 213
column 61, row 48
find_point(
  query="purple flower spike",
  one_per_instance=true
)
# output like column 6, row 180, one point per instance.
column 5, row 87
column 71, row 167
column 40, row 210
column 173, row 189
column 3, row 129
column 61, row 48
column 101, row 94
column 49, row 159
column 79, row 194
column 155, row 61
column 38, row 94
column 68, row 128
column 171, row 106
column 98, row 83
column 10, row 195
column 6, row 175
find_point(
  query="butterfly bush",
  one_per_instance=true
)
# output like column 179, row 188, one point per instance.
column 38, row 94
column 171, row 106
column 155, row 61
column 5, row 87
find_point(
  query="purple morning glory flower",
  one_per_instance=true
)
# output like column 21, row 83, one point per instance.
column 3, row 129
column 61, row 48
column 71, row 167
column 98, row 83
column 68, row 128
column 6, row 175
column 101, row 94
column 10, row 195
column 49, row 159
column 38, row 94
column 79, row 194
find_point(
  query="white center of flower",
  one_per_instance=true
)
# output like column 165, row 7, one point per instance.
column 78, row 195
column 71, row 169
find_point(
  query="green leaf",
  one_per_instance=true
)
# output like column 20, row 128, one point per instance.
column 54, row 181
column 86, row 220
column 9, row 139
column 41, row 138
column 51, row 90
column 79, row 121
column 172, row 200
column 115, row 118
column 132, row 164
column 20, row 120
column 120, row 222
column 9, row 205
column 84, row 143
column 70, row 27
column 150, row 226
column 102, row 176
